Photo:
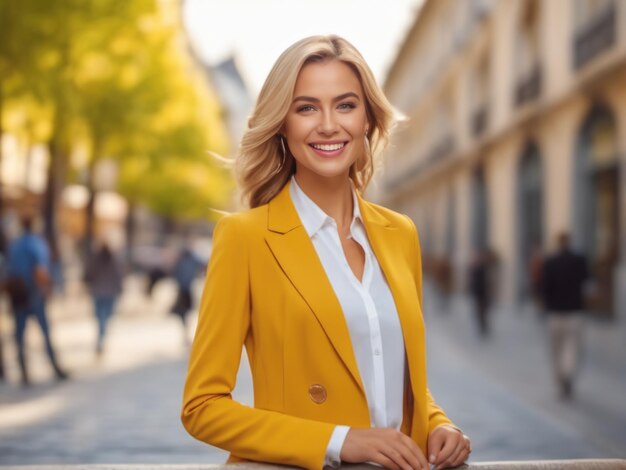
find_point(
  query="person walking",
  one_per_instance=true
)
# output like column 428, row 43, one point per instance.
column 186, row 268
column 322, row 287
column 28, row 284
column 3, row 249
column 104, row 277
column 563, row 277
column 481, row 288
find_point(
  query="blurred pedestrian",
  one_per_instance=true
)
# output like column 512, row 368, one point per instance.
column 444, row 278
column 57, row 277
column 564, row 276
column 28, row 283
column 2, row 373
column 104, row 275
column 185, row 270
column 481, row 288
column 535, row 268
column 2, row 288
column 155, row 274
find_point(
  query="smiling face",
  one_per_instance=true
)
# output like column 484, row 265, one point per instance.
column 327, row 121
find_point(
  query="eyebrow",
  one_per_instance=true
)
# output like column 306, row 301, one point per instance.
column 311, row 99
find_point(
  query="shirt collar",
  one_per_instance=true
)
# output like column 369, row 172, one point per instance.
column 312, row 216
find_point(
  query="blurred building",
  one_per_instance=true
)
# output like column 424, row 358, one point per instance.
column 516, row 132
column 233, row 95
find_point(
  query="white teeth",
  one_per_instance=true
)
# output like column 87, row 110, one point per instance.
column 328, row 147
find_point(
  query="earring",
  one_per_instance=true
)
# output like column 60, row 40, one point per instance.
column 366, row 144
column 282, row 145
column 284, row 156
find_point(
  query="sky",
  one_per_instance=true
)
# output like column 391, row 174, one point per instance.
column 256, row 32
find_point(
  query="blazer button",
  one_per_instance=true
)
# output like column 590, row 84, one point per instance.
column 317, row 393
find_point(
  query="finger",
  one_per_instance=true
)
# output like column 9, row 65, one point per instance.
column 412, row 457
column 462, row 456
column 417, row 456
column 399, row 455
column 436, row 441
column 449, row 446
column 454, row 456
column 469, row 443
column 385, row 461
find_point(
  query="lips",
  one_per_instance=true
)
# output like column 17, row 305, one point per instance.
column 331, row 149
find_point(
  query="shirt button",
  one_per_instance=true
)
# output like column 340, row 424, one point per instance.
column 377, row 352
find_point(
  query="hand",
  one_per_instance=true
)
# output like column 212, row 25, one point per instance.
column 42, row 279
column 448, row 447
column 386, row 447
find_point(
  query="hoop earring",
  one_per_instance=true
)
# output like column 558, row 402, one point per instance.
column 368, row 149
column 282, row 145
column 283, row 160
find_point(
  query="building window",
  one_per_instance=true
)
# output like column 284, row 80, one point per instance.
column 528, row 76
column 479, row 97
column 594, row 29
column 442, row 143
column 530, row 219
column 596, row 202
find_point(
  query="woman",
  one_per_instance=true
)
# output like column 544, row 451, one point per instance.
column 104, row 277
column 322, row 287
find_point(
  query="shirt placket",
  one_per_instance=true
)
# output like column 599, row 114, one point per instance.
column 376, row 346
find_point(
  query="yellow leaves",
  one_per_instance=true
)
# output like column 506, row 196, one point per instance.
column 148, row 23
column 26, row 116
column 122, row 45
column 95, row 66
column 117, row 80
column 129, row 75
column 49, row 59
column 177, row 187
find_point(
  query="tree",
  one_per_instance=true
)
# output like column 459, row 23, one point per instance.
column 114, row 76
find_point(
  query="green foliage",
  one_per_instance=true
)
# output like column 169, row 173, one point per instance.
column 120, row 72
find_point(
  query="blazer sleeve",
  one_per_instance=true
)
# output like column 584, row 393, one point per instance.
column 209, row 413
column 436, row 415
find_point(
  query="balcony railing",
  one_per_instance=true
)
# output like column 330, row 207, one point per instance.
column 529, row 87
column 581, row 464
column 598, row 35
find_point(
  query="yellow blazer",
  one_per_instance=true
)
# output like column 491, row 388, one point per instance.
column 266, row 288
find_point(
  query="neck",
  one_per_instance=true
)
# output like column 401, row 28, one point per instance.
column 332, row 195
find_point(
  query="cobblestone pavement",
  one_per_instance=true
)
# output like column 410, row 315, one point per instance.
column 124, row 407
column 501, row 390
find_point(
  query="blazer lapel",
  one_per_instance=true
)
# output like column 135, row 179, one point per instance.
column 296, row 255
column 384, row 239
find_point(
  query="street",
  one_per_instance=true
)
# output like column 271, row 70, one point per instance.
column 124, row 407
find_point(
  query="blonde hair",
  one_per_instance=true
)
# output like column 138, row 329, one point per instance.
column 261, row 167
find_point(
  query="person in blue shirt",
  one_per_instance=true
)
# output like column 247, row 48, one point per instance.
column 28, row 283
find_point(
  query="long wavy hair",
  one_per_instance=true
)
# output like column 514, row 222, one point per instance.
column 261, row 167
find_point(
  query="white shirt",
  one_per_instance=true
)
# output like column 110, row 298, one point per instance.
column 370, row 314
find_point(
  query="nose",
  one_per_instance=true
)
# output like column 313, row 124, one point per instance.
column 328, row 124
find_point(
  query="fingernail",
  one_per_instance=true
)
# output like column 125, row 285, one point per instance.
column 432, row 458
